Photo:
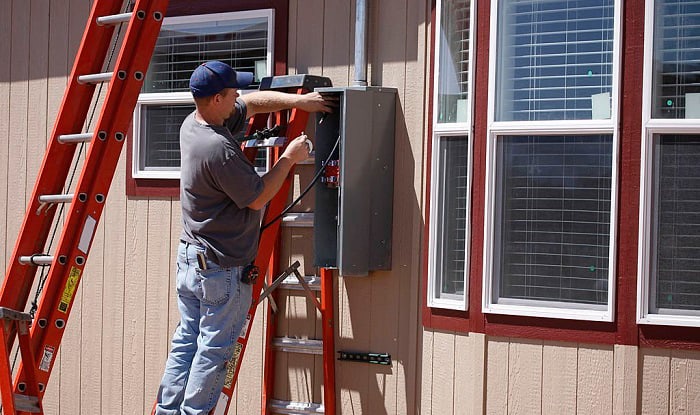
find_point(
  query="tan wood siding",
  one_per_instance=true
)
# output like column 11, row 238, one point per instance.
column 559, row 369
column 655, row 381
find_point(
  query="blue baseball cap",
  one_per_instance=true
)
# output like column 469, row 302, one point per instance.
column 212, row 77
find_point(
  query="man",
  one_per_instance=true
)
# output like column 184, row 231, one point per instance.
column 221, row 196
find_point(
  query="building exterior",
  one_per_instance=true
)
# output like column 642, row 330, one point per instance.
column 545, row 236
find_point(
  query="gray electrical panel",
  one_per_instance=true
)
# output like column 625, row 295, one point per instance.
column 354, row 201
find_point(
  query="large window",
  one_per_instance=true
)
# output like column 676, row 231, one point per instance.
column 669, row 287
column 241, row 39
column 551, row 159
column 451, row 156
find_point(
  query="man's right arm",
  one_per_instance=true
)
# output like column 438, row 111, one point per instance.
column 296, row 151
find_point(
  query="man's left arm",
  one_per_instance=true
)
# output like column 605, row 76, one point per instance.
column 271, row 101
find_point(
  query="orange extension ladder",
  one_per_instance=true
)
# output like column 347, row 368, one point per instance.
column 39, row 344
column 40, row 331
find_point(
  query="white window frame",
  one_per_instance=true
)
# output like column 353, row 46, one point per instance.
column 450, row 130
column 650, row 129
column 496, row 129
column 184, row 97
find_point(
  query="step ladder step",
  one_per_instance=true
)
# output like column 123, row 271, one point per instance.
column 303, row 346
column 74, row 138
column 298, row 220
column 266, row 142
column 67, row 198
column 292, row 283
column 36, row 259
column 9, row 314
column 95, row 78
column 25, row 403
column 277, row 406
column 114, row 19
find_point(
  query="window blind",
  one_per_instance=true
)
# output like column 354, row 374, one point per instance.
column 453, row 77
column 554, row 218
column 676, row 56
column 451, row 217
column 677, row 223
column 160, row 129
column 554, row 56
column 181, row 47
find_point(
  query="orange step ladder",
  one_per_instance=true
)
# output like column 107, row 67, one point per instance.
column 268, row 263
column 86, row 201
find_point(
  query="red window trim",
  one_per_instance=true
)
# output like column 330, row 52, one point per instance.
column 171, row 187
column 624, row 329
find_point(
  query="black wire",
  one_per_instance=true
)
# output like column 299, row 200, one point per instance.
column 314, row 180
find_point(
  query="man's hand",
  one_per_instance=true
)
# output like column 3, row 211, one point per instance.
column 297, row 150
column 315, row 102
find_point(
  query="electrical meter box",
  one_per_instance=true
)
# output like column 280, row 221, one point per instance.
column 354, row 199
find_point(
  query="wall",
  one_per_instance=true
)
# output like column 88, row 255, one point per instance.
column 478, row 374
column 116, row 340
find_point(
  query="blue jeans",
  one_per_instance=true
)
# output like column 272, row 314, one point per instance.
column 213, row 306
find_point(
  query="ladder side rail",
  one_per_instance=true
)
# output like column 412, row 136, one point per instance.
column 95, row 179
column 6, row 394
column 327, row 315
column 268, row 238
column 271, row 319
column 57, row 159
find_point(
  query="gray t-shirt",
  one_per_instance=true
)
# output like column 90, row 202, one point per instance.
column 217, row 183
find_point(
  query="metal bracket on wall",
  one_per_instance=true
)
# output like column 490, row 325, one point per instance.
column 375, row 358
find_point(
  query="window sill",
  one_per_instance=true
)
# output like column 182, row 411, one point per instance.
column 586, row 314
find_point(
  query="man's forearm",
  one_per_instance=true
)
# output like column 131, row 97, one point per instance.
column 269, row 101
column 272, row 181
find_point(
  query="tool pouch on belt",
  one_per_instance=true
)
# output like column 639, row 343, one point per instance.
column 250, row 274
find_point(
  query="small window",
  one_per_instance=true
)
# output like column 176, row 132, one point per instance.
column 555, row 59
column 551, row 159
column 241, row 39
column 451, row 157
column 669, row 247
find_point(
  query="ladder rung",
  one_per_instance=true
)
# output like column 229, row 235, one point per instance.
column 25, row 403
column 67, row 198
column 277, row 406
column 9, row 314
column 292, row 283
column 305, row 346
column 74, row 138
column 95, row 78
column 298, row 220
column 266, row 142
column 36, row 259
column 114, row 19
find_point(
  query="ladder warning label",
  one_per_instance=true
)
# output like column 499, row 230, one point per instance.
column 46, row 358
column 231, row 365
column 86, row 235
column 221, row 404
column 244, row 330
column 71, row 285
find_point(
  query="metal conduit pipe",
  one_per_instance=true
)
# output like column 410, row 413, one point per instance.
column 361, row 21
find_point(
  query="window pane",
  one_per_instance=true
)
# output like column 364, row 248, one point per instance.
column 454, row 61
column 451, row 217
column 555, row 59
column 676, row 276
column 160, row 135
column 676, row 87
column 553, row 221
column 242, row 43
